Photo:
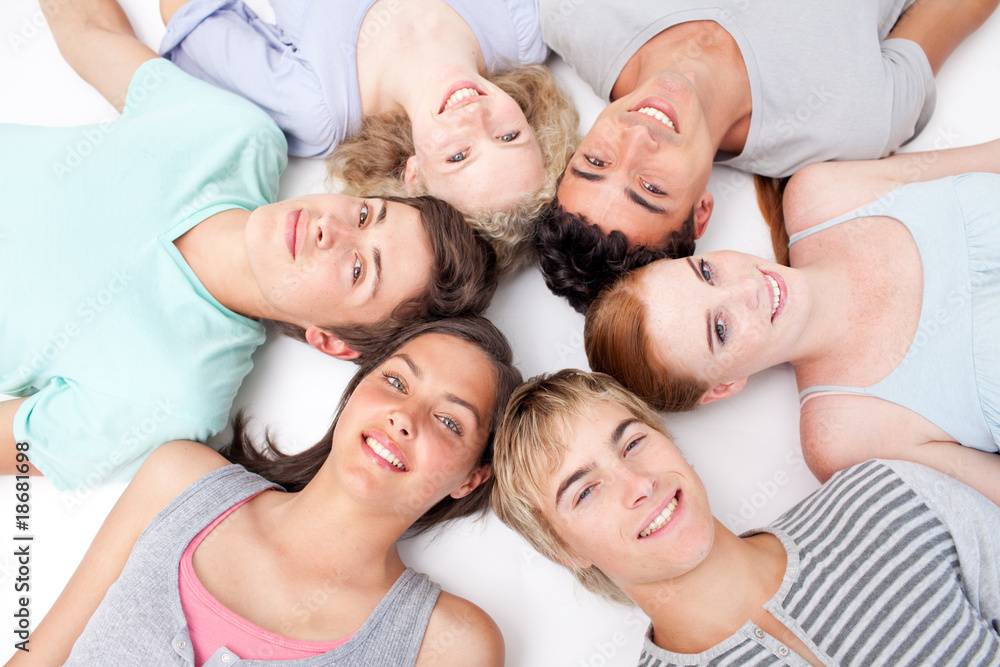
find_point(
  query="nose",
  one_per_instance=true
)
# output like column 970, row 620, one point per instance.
column 746, row 291
column 636, row 142
column 638, row 487
column 401, row 422
column 329, row 229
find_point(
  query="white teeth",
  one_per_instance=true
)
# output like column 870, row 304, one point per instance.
column 459, row 95
column 661, row 519
column 658, row 115
column 776, row 294
column 374, row 445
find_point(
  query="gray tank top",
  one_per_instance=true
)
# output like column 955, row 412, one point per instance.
column 141, row 621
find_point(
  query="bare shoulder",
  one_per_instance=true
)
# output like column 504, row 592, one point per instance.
column 826, row 190
column 460, row 633
column 170, row 469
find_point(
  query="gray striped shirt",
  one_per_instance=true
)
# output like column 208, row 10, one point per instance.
column 889, row 563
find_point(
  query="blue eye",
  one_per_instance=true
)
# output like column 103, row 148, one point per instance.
column 720, row 331
column 633, row 444
column 706, row 271
column 458, row 157
column 583, row 495
column 510, row 136
column 394, row 381
column 451, row 424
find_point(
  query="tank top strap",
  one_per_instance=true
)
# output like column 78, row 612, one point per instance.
column 829, row 390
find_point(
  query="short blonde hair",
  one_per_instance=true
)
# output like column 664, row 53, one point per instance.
column 531, row 444
column 374, row 160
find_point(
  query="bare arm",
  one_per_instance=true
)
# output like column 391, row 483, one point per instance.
column 823, row 191
column 460, row 634
column 939, row 26
column 10, row 463
column 165, row 473
column 169, row 7
column 97, row 40
column 840, row 435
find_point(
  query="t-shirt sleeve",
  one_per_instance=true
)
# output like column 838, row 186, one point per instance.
column 909, row 73
column 223, row 42
column 974, row 523
column 79, row 438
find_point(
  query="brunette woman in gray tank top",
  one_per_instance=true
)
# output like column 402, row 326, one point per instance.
column 410, row 447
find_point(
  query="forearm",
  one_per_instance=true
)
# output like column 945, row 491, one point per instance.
column 973, row 467
column 97, row 40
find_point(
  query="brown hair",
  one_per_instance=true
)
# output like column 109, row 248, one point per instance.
column 374, row 160
column 770, row 198
column 531, row 444
column 618, row 343
column 463, row 280
column 294, row 471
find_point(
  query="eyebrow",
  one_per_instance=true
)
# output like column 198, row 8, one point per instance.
column 409, row 362
column 377, row 253
column 471, row 408
column 616, row 436
column 649, row 206
column 708, row 315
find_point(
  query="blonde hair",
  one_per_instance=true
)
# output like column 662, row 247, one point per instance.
column 618, row 343
column 374, row 160
column 530, row 445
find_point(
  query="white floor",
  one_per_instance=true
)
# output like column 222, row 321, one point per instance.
column 746, row 448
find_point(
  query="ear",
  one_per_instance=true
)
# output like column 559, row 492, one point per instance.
column 410, row 175
column 327, row 343
column 702, row 212
column 721, row 391
column 478, row 477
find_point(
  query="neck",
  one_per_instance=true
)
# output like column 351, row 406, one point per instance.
column 215, row 250
column 828, row 317
column 703, row 607
column 397, row 63
column 708, row 56
column 320, row 526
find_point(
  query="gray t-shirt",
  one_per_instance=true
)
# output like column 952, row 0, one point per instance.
column 824, row 81
column 889, row 563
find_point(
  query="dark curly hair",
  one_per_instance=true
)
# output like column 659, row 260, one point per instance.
column 578, row 259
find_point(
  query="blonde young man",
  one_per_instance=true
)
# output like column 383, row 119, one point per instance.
column 888, row 563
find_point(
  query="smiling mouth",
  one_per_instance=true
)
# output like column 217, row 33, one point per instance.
column 292, row 230
column 658, row 110
column 374, row 445
column 777, row 301
column 662, row 519
column 465, row 93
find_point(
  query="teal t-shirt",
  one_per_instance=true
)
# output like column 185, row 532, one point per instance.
column 104, row 326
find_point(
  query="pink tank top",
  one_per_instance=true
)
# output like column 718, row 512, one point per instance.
column 212, row 626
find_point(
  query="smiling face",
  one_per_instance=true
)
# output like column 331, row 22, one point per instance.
column 722, row 316
column 644, row 166
column 474, row 147
column 414, row 428
column 330, row 260
column 625, row 500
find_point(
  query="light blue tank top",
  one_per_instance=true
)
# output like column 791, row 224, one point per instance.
column 951, row 372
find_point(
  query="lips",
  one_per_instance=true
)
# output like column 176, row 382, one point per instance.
column 460, row 94
column 663, row 516
column 292, row 225
column 778, row 292
column 659, row 111
column 383, row 451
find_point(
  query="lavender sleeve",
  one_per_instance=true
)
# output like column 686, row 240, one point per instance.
column 226, row 44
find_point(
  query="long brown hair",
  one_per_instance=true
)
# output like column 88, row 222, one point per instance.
column 770, row 198
column 294, row 471
column 463, row 280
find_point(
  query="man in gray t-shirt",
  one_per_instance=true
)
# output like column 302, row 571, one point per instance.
column 762, row 86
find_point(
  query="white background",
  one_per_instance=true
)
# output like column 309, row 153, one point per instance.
column 745, row 449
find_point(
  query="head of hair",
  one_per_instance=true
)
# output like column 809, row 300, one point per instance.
column 770, row 199
column 294, row 471
column 374, row 160
column 578, row 259
column 463, row 280
column 532, row 443
column 619, row 343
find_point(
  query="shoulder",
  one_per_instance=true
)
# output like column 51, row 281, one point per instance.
column 460, row 633
column 170, row 469
column 826, row 190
